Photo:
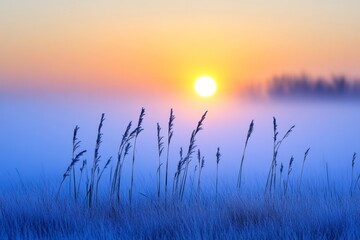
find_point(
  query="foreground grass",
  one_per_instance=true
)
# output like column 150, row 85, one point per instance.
column 281, row 209
column 34, row 213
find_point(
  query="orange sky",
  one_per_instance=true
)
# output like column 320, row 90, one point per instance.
column 162, row 46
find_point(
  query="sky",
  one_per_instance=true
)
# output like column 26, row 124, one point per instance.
column 63, row 63
column 157, row 48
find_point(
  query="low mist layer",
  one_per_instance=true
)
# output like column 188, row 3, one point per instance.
column 307, row 87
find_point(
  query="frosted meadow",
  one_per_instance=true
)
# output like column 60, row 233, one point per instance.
column 192, row 191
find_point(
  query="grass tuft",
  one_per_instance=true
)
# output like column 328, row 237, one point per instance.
column 75, row 158
column 271, row 179
column 189, row 154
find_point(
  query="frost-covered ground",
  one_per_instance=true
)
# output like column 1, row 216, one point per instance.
column 314, row 211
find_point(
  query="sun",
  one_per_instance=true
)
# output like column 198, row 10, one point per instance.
column 205, row 86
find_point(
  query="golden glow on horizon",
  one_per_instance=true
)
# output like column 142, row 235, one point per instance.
column 205, row 86
column 140, row 46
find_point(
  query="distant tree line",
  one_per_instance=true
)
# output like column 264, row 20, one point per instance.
column 305, row 86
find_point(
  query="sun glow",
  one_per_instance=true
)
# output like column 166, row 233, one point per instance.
column 205, row 86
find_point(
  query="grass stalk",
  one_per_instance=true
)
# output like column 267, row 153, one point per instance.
column 271, row 179
column 201, row 162
column 139, row 129
column 188, row 156
column 288, row 174
column 118, row 162
column 170, row 135
column 160, row 150
column 96, row 160
column 81, row 173
column 251, row 129
column 99, row 177
column 352, row 186
column 218, row 156
column 178, row 172
column 281, row 175
column 75, row 158
column 302, row 166
column 118, row 183
column 124, row 146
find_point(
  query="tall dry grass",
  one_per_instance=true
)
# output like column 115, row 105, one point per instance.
column 201, row 163
column 251, row 129
column 302, row 166
column 179, row 183
column 189, row 154
column 178, row 171
column 170, row 135
column 96, row 161
column 288, row 174
column 71, row 168
column 218, row 156
column 123, row 151
column 271, row 179
column 139, row 129
column 160, row 150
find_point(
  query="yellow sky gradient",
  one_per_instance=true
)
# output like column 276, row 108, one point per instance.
column 163, row 46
